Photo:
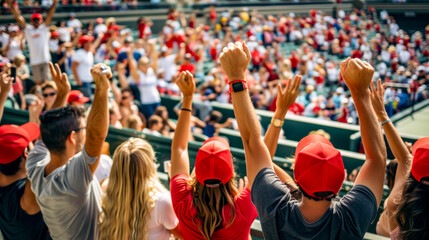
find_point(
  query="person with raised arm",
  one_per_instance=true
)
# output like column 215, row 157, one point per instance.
column 61, row 167
column 319, row 169
column 37, row 36
column 206, row 202
column 405, row 211
column 285, row 98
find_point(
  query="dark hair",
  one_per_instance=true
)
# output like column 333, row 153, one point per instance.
column 391, row 173
column 127, row 90
column 215, row 116
column 154, row 119
column 10, row 169
column 56, row 125
column 328, row 196
column 413, row 210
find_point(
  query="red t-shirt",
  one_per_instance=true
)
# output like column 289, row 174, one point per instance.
column 245, row 213
column 190, row 67
column 294, row 61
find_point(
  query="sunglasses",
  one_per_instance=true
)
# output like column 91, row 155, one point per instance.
column 45, row 95
column 125, row 97
column 76, row 130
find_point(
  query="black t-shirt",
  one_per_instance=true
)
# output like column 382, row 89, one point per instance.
column 15, row 223
column 281, row 218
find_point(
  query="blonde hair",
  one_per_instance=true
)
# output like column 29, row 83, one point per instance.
column 131, row 192
column 209, row 202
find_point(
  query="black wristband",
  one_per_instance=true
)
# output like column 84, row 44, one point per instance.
column 185, row 109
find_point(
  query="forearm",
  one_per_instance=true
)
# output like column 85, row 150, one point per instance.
column 60, row 101
column 180, row 140
column 372, row 136
column 272, row 135
column 247, row 120
column 98, row 123
column 50, row 14
column 3, row 98
column 75, row 75
column 397, row 145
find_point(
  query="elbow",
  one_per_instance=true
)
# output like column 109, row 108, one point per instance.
column 252, row 138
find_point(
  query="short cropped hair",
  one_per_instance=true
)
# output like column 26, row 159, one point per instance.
column 57, row 124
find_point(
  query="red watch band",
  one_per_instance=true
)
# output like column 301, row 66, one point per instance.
column 236, row 81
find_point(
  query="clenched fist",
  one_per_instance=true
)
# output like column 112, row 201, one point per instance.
column 234, row 60
column 357, row 75
column 101, row 75
column 186, row 83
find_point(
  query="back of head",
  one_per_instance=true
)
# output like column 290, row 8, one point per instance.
column 129, row 195
column 213, row 186
column 56, row 125
column 154, row 119
column 319, row 168
column 413, row 209
column 215, row 116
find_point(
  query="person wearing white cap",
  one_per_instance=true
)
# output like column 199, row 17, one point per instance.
column 37, row 36
column 15, row 43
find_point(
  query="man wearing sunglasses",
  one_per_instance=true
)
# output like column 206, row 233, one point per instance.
column 61, row 167
column 37, row 36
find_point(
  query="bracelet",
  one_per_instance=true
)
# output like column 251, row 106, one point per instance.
column 388, row 120
column 185, row 109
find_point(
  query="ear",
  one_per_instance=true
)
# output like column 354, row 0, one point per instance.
column 72, row 138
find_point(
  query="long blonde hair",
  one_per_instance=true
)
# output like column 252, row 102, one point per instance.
column 209, row 202
column 131, row 193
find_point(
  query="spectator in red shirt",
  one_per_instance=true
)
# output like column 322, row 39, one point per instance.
column 294, row 60
column 213, row 16
column 187, row 65
column 207, row 202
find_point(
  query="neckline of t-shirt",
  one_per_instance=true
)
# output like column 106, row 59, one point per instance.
column 315, row 223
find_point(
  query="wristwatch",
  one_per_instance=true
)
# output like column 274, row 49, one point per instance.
column 278, row 123
column 237, row 86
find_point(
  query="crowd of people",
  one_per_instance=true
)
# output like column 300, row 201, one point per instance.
column 57, row 180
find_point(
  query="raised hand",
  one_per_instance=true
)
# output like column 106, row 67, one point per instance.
column 101, row 75
column 5, row 84
column 234, row 60
column 287, row 96
column 34, row 110
column 186, row 83
column 377, row 100
column 60, row 79
column 357, row 75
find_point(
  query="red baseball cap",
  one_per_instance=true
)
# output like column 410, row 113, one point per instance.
column 77, row 96
column 318, row 166
column 99, row 20
column 14, row 139
column 420, row 167
column 55, row 34
column 36, row 16
column 214, row 162
column 85, row 38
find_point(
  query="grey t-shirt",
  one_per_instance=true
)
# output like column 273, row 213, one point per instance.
column 281, row 218
column 69, row 197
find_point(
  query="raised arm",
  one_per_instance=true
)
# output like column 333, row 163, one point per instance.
column 285, row 98
column 399, row 149
column 132, row 64
column 15, row 12
column 98, row 119
column 5, row 86
column 357, row 75
column 179, row 146
column 51, row 13
column 62, row 82
column 234, row 60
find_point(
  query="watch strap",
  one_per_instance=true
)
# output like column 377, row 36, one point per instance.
column 231, row 89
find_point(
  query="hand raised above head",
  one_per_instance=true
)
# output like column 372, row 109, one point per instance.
column 186, row 83
column 101, row 74
column 5, row 83
column 287, row 96
column 377, row 100
column 61, row 80
column 357, row 75
column 234, row 60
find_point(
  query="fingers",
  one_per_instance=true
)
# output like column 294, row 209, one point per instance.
column 379, row 88
column 296, row 82
column 373, row 90
column 53, row 72
column 246, row 50
column 289, row 83
column 279, row 89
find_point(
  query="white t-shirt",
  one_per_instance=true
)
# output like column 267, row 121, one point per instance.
column 14, row 48
column 147, row 86
column 65, row 34
column 148, row 131
column 169, row 65
column 162, row 217
column 100, row 28
column 38, row 43
column 75, row 23
column 85, row 60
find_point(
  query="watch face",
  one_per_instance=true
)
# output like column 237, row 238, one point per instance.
column 277, row 123
column 237, row 87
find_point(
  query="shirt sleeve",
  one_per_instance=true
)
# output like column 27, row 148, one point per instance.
column 179, row 190
column 36, row 155
column 77, row 174
column 167, row 217
column 246, row 206
column 358, row 209
column 77, row 57
column 268, row 194
column 122, row 56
